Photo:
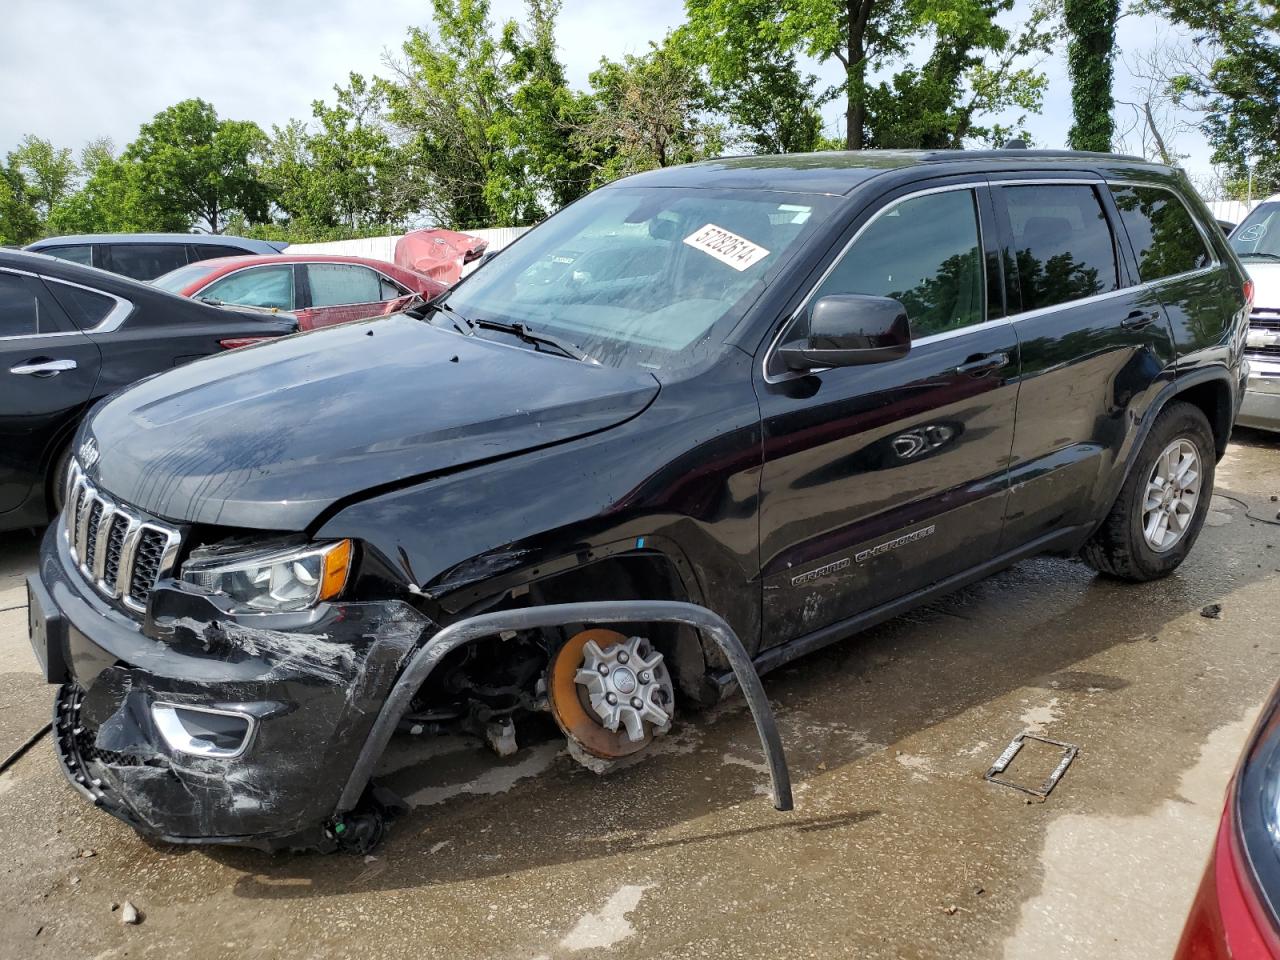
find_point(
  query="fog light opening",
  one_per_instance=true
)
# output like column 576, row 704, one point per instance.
column 203, row 731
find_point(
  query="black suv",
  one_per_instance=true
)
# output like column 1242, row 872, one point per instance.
column 706, row 418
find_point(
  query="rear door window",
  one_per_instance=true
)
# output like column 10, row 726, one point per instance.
column 925, row 252
column 1062, row 245
column 25, row 308
column 337, row 284
column 254, row 287
column 1164, row 237
column 145, row 261
column 76, row 253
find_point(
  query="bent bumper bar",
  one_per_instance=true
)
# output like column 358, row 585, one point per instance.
column 620, row 611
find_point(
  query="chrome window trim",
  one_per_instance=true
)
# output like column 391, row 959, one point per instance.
column 839, row 257
column 1013, row 181
column 114, row 319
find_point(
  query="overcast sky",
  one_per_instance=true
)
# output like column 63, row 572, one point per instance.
column 72, row 70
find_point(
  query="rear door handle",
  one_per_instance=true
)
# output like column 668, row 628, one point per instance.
column 1139, row 319
column 39, row 367
column 983, row 364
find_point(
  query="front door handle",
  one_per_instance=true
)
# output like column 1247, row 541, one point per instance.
column 1139, row 319
column 983, row 364
column 40, row 367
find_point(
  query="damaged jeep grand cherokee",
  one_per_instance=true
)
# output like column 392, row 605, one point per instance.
column 699, row 423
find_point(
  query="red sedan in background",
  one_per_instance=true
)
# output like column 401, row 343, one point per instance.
column 320, row 290
column 1236, row 913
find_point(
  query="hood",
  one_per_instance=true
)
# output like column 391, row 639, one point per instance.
column 268, row 436
column 1266, row 283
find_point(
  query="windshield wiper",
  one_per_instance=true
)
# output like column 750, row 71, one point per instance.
column 1259, row 253
column 532, row 336
column 460, row 323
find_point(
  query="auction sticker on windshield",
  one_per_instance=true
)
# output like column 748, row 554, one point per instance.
column 727, row 247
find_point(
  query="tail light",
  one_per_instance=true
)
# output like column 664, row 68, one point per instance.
column 234, row 343
column 1248, row 295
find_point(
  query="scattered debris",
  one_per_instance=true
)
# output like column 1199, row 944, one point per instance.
column 951, row 911
column 129, row 914
column 1069, row 752
column 74, row 879
column 1211, row 611
column 86, row 853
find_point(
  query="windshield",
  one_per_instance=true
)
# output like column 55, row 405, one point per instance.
column 175, row 281
column 642, row 276
column 1259, row 234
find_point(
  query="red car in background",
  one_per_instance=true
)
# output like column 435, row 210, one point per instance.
column 442, row 254
column 1236, row 913
column 320, row 290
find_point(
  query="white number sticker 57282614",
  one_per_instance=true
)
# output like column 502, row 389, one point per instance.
column 727, row 247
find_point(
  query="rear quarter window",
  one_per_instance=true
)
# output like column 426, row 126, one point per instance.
column 85, row 308
column 1165, row 239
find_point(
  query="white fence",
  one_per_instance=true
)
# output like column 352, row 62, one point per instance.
column 1233, row 211
column 384, row 248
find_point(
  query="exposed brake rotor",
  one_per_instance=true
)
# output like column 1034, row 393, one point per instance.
column 610, row 694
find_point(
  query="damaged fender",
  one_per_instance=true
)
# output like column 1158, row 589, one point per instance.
column 551, row 615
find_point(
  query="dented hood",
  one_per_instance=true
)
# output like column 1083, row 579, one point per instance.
column 269, row 436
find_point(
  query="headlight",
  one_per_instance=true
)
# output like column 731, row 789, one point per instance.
column 274, row 580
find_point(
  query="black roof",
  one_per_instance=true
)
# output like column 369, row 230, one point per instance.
column 839, row 172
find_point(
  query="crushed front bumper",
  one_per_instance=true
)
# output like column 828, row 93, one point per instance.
column 311, row 685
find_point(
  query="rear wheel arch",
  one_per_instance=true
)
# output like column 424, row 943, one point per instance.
column 1213, row 397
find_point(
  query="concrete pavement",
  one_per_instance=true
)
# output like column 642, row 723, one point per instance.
column 896, row 848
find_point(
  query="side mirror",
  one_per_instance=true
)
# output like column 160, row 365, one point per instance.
column 847, row 330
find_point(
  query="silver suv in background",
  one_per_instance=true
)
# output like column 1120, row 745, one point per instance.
column 1257, row 242
column 145, row 256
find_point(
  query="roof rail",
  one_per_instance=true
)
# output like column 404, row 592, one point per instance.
column 1012, row 152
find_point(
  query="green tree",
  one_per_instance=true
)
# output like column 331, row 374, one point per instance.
column 19, row 223
column 976, row 66
column 1091, row 50
column 193, row 168
column 48, row 172
column 111, row 198
column 769, row 103
column 1229, row 75
column 342, row 174
column 648, row 111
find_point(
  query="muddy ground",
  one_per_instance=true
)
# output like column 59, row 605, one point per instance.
column 896, row 848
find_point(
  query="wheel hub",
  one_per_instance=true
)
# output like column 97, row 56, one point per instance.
column 609, row 694
column 623, row 686
column 1173, row 491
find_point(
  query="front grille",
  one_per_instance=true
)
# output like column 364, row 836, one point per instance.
column 1267, row 318
column 121, row 553
column 1270, row 352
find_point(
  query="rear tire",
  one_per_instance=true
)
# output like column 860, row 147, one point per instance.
column 1160, row 511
